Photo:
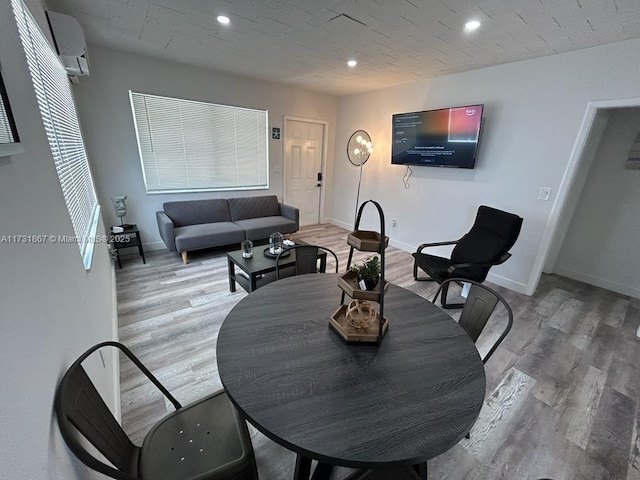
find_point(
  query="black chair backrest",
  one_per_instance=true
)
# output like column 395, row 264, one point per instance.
column 480, row 304
column 80, row 408
column 80, row 405
column 306, row 259
column 491, row 237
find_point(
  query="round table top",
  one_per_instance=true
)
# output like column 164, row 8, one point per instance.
column 360, row 406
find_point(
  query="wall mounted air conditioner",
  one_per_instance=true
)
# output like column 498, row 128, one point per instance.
column 69, row 42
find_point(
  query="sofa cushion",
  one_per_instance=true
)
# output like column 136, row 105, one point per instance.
column 195, row 212
column 253, row 207
column 194, row 237
column 261, row 228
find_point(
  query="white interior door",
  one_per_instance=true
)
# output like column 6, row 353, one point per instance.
column 304, row 149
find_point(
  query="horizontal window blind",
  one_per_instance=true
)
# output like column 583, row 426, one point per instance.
column 58, row 111
column 8, row 133
column 188, row 146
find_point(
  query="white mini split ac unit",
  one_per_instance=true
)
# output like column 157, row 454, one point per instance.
column 70, row 43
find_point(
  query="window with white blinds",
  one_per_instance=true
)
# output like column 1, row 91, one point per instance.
column 188, row 146
column 58, row 111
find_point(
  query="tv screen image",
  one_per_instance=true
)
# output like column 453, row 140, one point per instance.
column 447, row 137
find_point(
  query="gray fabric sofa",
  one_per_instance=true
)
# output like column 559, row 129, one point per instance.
column 194, row 224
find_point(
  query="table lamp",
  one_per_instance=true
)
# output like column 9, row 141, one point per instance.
column 120, row 208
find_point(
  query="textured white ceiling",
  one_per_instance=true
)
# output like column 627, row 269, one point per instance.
column 307, row 42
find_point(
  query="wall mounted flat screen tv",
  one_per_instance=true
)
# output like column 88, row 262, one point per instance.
column 447, row 137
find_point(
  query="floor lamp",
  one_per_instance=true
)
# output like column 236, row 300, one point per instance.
column 359, row 149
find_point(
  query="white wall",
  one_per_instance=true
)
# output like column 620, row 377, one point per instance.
column 533, row 112
column 107, row 123
column 600, row 247
column 51, row 308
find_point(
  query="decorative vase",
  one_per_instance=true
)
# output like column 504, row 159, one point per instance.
column 370, row 283
column 275, row 243
column 247, row 249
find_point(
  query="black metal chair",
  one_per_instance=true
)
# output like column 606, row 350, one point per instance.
column 488, row 242
column 479, row 306
column 206, row 440
column 306, row 259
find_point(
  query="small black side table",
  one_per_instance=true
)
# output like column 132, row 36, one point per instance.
column 130, row 237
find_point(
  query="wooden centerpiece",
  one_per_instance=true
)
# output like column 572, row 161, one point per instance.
column 362, row 320
column 340, row 323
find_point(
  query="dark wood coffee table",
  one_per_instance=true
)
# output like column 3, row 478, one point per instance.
column 259, row 270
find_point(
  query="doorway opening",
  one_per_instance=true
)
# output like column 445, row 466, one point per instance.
column 589, row 137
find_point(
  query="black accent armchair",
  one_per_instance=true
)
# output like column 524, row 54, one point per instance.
column 488, row 242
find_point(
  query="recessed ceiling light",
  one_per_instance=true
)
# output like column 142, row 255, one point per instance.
column 352, row 63
column 223, row 19
column 472, row 25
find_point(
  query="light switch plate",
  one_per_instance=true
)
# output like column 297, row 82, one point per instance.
column 545, row 193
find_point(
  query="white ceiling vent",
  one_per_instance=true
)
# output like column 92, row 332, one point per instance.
column 70, row 43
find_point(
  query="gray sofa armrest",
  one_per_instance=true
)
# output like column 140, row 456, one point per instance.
column 165, row 226
column 290, row 212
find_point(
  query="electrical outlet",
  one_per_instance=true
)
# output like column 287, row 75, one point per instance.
column 545, row 193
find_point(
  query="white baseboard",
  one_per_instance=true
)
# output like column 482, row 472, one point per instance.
column 402, row 246
column 508, row 283
column 623, row 289
column 153, row 246
column 338, row 223
column 115, row 358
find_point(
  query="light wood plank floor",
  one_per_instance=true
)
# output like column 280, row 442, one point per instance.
column 562, row 390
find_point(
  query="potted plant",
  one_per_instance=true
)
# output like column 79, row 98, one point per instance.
column 368, row 272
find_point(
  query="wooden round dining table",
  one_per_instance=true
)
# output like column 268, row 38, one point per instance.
column 361, row 406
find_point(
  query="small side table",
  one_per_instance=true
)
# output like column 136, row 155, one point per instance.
column 130, row 237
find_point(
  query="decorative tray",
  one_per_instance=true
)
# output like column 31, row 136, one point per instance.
column 285, row 253
column 348, row 282
column 338, row 323
column 366, row 240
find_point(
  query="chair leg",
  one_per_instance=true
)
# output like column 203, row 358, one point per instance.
column 421, row 470
column 322, row 471
column 420, row 279
column 302, row 470
column 443, row 299
column 443, row 295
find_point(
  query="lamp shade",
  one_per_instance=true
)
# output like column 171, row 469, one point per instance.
column 359, row 148
column 120, row 206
